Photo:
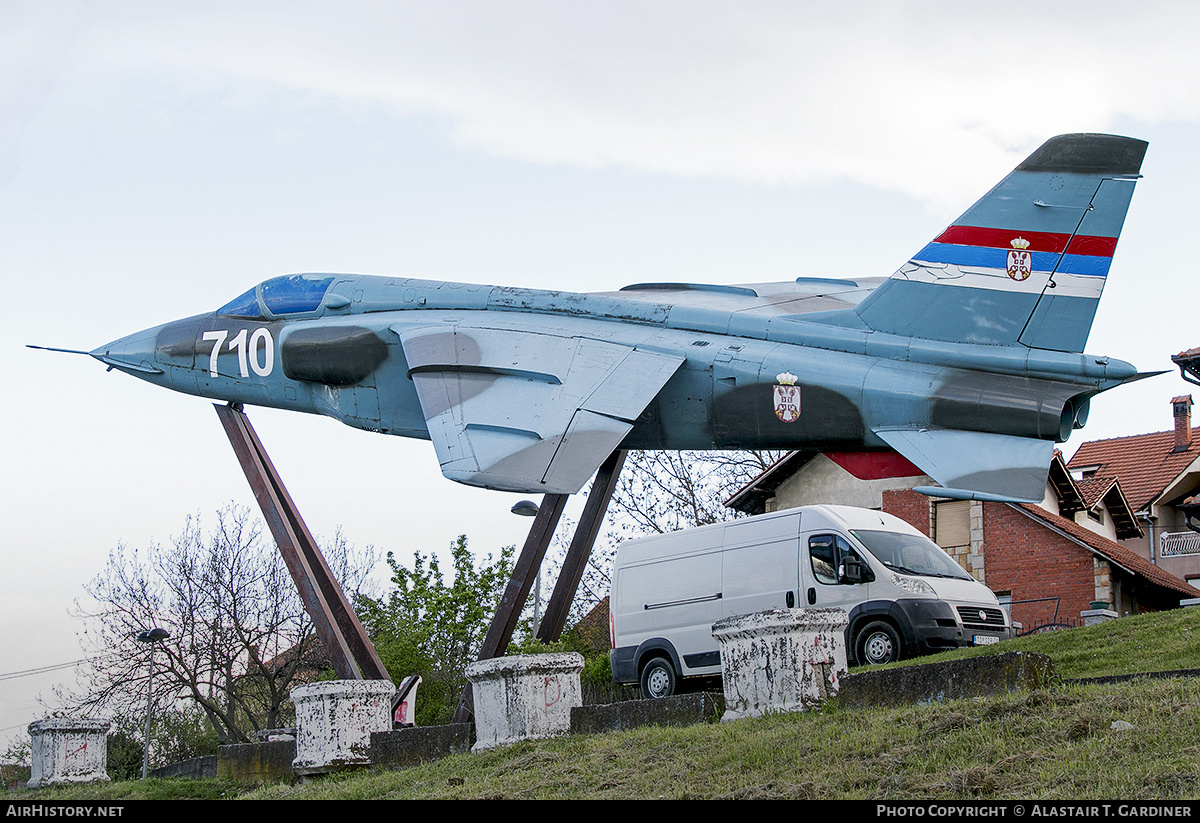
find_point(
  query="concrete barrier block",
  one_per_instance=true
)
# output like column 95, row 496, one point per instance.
column 524, row 697
column 949, row 680
column 412, row 746
column 783, row 660
column 197, row 768
column 676, row 710
column 266, row 762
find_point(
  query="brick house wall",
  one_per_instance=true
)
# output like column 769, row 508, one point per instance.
column 911, row 507
column 1034, row 562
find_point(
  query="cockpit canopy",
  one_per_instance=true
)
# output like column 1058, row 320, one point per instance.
column 280, row 296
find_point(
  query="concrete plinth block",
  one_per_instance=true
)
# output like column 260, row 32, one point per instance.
column 68, row 750
column 784, row 660
column 1092, row 617
column 334, row 722
column 524, row 697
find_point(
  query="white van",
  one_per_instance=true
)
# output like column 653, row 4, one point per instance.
column 904, row 595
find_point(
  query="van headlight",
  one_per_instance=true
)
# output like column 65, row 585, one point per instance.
column 913, row 585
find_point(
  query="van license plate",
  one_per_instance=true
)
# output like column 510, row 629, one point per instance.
column 985, row 639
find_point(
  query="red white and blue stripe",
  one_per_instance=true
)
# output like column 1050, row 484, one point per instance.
column 988, row 248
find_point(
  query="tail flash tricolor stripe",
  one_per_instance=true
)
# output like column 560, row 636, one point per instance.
column 1027, row 263
column 1049, row 252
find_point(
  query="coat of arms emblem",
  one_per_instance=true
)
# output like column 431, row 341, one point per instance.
column 787, row 398
column 1020, row 261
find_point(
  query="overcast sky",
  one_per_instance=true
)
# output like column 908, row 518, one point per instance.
column 159, row 158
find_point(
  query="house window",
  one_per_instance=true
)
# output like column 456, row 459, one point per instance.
column 952, row 523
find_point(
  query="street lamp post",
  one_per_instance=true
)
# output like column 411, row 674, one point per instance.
column 527, row 508
column 151, row 636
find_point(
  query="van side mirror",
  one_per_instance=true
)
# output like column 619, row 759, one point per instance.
column 853, row 570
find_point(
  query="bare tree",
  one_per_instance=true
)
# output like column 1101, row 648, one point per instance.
column 662, row 491
column 240, row 638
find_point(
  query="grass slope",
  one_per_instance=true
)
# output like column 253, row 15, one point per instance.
column 1053, row 745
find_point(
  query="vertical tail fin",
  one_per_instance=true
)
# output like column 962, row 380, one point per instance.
column 1028, row 262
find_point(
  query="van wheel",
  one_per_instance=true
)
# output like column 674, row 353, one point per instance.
column 877, row 643
column 658, row 679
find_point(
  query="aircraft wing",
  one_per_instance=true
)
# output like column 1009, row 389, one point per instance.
column 990, row 466
column 525, row 411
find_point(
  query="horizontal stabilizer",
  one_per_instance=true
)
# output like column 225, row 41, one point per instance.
column 992, row 466
column 528, row 411
column 966, row 494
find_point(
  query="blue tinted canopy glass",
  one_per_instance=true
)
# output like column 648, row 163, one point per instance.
column 244, row 305
column 290, row 294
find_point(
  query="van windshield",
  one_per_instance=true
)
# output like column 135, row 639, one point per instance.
column 910, row 554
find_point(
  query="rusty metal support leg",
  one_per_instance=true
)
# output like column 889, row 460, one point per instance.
column 349, row 649
column 519, row 584
column 580, row 549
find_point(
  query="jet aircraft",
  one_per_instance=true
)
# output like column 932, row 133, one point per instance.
column 968, row 360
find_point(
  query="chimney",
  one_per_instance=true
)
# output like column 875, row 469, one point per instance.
column 1182, row 408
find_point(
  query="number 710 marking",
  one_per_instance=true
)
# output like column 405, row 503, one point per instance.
column 258, row 354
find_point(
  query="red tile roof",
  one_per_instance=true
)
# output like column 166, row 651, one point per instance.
column 1115, row 552
column 1094, row 488
column 1144, row 463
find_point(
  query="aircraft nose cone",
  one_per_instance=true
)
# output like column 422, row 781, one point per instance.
column 133, row 354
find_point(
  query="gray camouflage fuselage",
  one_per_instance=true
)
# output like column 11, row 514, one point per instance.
column 966, row 362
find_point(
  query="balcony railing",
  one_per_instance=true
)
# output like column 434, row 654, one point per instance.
column 1178, row 544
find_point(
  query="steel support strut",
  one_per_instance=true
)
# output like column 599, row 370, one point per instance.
column 580, row 550
column 351, row 652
